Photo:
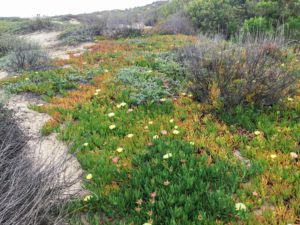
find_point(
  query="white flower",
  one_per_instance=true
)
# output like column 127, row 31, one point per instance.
column 183, row 93
column 123, row 104
column 294, row 155
column 105, row 71
column 290, row 99
column 98, row 90
column 167, row 156
column 86, row 144
column 150, row 122
column 87, row 198
column 155, row 137
column 89, row 177
column 171, row 120
column 111, row 115
column 190, row 95
column 176, row 127
column 192, row 143
column 27, row 79
column 163, row 100
column 146, row 127
column 120, row 150
column 176, row 132
column 96, row 93
column 147, row 224
column 130, row 135
column 113, row 126
column 240, row 206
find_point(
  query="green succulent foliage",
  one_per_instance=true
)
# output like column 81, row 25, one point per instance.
column 146, row 85
column 51, row 82
column 196, row 191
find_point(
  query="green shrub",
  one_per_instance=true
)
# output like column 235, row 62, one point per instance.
column 250, row 72
column 178, row 184
column 36, row 24
column 257, row 25
column 146, row 85
column 27, row 56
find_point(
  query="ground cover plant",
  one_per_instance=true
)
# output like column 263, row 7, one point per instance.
column 173, row 160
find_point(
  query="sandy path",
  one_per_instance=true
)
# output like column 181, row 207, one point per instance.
column 50, row 42
column 44, row 149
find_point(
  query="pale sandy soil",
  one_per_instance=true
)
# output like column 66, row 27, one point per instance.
column 49, row 41
column 3, row 74
column 47, row 149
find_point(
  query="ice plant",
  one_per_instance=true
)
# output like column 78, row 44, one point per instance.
column 120, row 150
column 240, row 206
column 87, row 198
column 113, row 126
column 130, row 135
column 115, row 159
column 257, row 132
column 167, row 156
column 111, row 115
column 176, row 132
column 294, row 155
column 89, row 177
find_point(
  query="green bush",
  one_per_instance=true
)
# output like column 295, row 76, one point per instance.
column 257, row 25
column 173, row 183
column 146, row 85
column 27, row 56
column 250, row 72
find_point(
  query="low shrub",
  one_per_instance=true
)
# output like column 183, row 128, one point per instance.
column 292, row 28
column 36, row 24
column 176, row 24
column 28, row 194
column 174, row 182
column 255, row 71
column 146, row 85
column 26, row 56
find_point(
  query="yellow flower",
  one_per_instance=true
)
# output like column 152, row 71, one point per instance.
column 290, row 99
column 86, row 144
column 130, row 135
column 190, row 95
column 113, row 126
column 147, row 224
column 87, row 198
column 257, row 132
column 176, row 127
column 171, row 120
column 163, row 100
column 105, row 71
column 192, row 143
column 96, row 93
column 146, row 127
column 155, row 137
column 240, row 206
column 121, row 104
column 167, row 156
column 120, row 150
column 150, row 122
column 183, row 93
column 89, row 177
column 176, row 132
column 273, row 156
column 111, row 115
column 98, row 90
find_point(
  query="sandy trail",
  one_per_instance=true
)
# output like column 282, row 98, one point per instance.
column 50, row 42
column 47, row 149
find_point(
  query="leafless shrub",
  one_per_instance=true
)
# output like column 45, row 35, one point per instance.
column 252, row 71
column 29, row 194
column 27, row 56
column 176, row 24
